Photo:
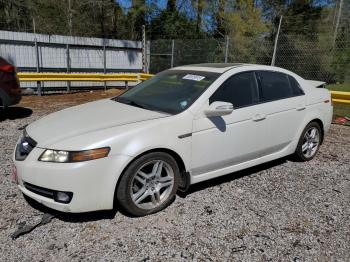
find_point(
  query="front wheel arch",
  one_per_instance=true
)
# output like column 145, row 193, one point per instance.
column 176, row 156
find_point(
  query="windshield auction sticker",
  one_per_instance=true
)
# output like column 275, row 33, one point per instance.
column 193, row 77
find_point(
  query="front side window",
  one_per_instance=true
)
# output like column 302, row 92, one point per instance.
column 171, row 91
column 240, row 90
column 274, row 86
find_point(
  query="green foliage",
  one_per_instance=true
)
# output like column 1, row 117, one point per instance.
column 245, row 29
column 339, row 87
column 173, row 25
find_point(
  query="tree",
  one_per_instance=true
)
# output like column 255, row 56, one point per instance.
column 137, row 18
column 244, row 27
column 199, row 6
column 219, row 19
column 171, row 24
column 15, row 15
column 171, row 5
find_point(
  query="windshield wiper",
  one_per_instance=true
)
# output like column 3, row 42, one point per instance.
column 133, row 103
column 128, row 102
column 143, row 106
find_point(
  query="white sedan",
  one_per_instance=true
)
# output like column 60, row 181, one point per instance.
column 183, row 126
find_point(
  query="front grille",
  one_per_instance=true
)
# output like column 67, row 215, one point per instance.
column 24, row 147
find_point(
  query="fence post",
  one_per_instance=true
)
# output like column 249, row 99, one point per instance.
column 104, row 62
column 226, row 48
column 337, row 23
column 68, row 66
column 172, row 52
column 39, row 90
column 148, row 56
column 144, row 47
column 276, row 40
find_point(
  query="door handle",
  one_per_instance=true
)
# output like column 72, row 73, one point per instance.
column 259, row 117
column 300, row 108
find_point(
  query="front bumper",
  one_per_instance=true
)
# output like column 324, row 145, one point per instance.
column 92, row 182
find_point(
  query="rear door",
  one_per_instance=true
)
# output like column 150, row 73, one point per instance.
column 284, row 108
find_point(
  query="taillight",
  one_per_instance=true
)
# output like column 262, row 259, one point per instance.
column 7, row 68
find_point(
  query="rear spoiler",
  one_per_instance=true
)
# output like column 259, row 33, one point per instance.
column 317, row 84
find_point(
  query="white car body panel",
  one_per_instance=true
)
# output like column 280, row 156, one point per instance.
column 208, row 147
column 93, row 116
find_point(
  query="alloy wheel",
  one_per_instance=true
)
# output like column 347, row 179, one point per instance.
column 311, row 142
column 152, row 184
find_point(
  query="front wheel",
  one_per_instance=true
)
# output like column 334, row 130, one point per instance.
column 309, row 142
column 149, row 184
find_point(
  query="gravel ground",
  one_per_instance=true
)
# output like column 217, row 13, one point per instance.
column 283, row 210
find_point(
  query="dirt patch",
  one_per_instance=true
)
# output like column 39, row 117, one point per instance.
column 55, row 102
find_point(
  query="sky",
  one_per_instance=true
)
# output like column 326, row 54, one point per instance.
column 162, row 3
column 127, row 3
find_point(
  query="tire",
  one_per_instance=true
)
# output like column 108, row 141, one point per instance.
column 308, row 145
column 148, row 185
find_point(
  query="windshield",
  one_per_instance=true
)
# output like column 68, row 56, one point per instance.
column 171, row 91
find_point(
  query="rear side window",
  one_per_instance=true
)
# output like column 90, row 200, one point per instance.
column 241, row 90
column 274, row 86
column 297, row 91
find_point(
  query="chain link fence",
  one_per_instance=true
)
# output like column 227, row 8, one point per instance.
column 317, row 57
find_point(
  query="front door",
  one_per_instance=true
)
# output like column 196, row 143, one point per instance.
column 219, row 142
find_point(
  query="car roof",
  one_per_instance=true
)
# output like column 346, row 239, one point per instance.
column 211, row 67
column 223, row 67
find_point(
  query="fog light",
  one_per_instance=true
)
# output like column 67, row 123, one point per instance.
column 63, row 197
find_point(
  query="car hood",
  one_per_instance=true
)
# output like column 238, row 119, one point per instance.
column 86, row 118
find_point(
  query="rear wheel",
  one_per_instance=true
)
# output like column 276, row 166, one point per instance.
column 149, row 184
column 309, row 142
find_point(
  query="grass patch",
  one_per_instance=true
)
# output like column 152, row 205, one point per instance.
column 341, row 110
column 339, row 87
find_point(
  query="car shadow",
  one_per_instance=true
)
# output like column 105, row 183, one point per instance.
column 72, row 217
column 16, row 112
column 232, row 176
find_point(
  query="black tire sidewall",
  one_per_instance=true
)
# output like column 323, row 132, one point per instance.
column 124, row 200
column 298, row 153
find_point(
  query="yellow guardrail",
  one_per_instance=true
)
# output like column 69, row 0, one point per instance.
column 339, row 97
column 82, row 77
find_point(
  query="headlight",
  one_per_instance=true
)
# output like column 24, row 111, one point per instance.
column 60, row 156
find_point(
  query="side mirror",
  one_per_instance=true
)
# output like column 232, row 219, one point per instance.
column 218, row 108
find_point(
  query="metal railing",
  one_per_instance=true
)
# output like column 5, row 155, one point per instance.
column 340, row 97
column 26, row 76
column 69, row 77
